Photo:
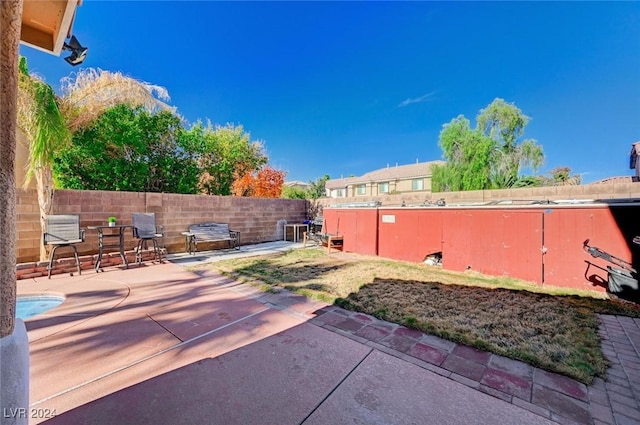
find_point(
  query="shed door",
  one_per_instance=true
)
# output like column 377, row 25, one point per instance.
column 523, row 241
column 497, row 242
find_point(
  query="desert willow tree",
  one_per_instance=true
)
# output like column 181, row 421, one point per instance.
column 48, row 121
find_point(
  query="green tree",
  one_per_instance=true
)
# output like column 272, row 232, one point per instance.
column 504, row 122
column 560, row 176
column 317, row 189
column 489, row 156
column 468, row 154
column 225, row 153
column 294, row 193
column 130, row 149
column 47, row 121
column 528, row 181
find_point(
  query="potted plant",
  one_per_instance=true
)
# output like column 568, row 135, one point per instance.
column 112, row 221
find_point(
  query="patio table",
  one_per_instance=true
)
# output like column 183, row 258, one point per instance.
column 296, row 231
column 111, row 240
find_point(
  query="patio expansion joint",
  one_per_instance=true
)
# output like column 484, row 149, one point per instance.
column 336, row 387
column 144, row 359
column 164, row 327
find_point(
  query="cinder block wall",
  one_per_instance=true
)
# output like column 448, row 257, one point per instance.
column 28, row 230
column 588, row 191
column 258, row 219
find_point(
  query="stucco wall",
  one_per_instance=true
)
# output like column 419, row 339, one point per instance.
column 256, row 218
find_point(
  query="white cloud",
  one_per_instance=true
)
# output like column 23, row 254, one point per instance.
column 420, row 99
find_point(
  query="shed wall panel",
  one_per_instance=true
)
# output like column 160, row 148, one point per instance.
column 542, row 245
column 567, row 264
column 359, row 228
column 409, row 234
column 398, row 238
column 497, row 242
column 367, row 231
column 429, row 233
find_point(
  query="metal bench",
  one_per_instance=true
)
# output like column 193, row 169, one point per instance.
column 210, row 232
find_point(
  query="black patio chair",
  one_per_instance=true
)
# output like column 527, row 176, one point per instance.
column 63, row 230
column 145, row 229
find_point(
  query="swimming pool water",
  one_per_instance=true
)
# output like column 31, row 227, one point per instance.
column 30, row 306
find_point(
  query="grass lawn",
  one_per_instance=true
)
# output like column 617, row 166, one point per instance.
column 551, row 328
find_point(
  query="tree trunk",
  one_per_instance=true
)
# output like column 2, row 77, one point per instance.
column 10, row 21
column 44, row 180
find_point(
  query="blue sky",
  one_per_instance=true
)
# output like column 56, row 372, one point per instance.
column 342, row 88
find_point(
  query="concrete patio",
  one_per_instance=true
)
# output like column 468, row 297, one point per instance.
column 163, row 344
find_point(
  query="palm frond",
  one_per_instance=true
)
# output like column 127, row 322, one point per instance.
column 40, row 120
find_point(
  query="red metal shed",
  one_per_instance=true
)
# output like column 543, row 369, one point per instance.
column 539, row 243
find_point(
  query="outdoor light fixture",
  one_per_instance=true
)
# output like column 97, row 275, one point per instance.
column 78, row 53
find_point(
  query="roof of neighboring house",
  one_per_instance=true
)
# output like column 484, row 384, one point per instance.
column 635, row 152
column 293, row 183
column 338, row 183
column 399, row 172
column 617, row 179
